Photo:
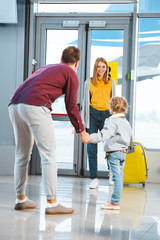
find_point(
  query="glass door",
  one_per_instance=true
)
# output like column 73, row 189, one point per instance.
column 56, row 41
column 112, row 44
column 51, row 39
column 109, row 41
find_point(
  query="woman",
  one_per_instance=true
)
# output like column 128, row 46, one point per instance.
column 98, row 91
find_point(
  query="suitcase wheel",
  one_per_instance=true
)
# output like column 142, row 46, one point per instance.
column 143, row 184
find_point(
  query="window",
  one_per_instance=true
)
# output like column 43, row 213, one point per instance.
column 147, row 124
column 96, row 8
column 149, row 6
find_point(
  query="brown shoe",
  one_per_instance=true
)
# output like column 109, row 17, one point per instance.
column 28, row 204
column 59, row 209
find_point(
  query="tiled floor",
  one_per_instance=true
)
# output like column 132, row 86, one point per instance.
column 138, row 218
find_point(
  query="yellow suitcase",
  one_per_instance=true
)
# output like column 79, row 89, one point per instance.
column 136, row 167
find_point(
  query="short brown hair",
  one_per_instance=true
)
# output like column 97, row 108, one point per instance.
column 118, row 104
column 71, row 55
column 106, row 77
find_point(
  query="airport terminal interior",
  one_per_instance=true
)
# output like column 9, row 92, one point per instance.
column 33, row 33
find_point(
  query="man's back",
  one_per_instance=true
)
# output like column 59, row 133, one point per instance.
column 45, row 85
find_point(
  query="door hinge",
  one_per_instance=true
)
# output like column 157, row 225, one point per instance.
column 34, row 62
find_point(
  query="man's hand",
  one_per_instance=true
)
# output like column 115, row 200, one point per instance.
column 85, row 137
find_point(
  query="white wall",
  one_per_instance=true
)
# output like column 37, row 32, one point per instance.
column 11, row 75
column 153, row 159
column 7, row 160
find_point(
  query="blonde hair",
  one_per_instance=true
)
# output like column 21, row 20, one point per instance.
column 118, row 104
column 106, row 77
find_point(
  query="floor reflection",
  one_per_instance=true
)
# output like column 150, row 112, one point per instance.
column 117, row 224
column 136, row 219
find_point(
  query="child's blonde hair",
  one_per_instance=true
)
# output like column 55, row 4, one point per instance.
column 118, row 104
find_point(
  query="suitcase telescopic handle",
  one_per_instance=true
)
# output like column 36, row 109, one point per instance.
column 131, row 148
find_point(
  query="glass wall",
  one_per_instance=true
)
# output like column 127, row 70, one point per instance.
column 146, row 6
column 149, row 6
column 85, row 8
column 147, row 123
column 147, row 114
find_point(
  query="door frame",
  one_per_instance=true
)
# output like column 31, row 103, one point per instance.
column 118, row 21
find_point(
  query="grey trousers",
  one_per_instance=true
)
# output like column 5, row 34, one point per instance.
column 36, row 121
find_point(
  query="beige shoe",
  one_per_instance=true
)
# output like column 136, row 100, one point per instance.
column 59, row 209
column 28, row 204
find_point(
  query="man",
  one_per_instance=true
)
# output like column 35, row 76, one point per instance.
column 29, row 111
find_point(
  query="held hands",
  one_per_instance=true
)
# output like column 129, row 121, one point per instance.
column 85, row 137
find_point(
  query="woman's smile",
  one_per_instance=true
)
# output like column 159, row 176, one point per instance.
column 101, row 69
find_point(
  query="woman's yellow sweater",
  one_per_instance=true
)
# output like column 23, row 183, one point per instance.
column 100, row 95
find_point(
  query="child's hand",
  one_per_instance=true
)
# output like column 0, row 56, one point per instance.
column 85, row 137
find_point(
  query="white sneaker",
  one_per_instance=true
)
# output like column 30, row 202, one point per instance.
column 94, row 184
column 110, row 179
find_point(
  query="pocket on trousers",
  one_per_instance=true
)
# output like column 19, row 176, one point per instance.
column 46, row 110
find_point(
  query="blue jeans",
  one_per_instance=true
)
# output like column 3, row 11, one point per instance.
column 97, row 119
column 116, row 161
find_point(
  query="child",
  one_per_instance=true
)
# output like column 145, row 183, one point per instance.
column 116, row 133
